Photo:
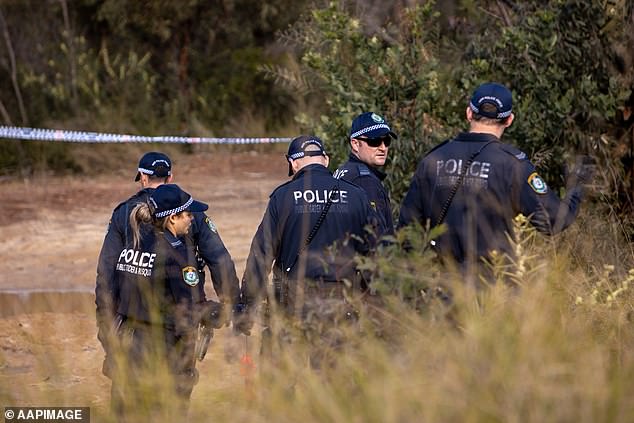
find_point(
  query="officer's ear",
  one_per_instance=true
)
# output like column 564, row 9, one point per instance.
column 170, row 223
column 509, row 120
column 326, row 160
column 144, row 180
column 469, row 114
column 169, row 179
column 354, row 145
column 295, row 165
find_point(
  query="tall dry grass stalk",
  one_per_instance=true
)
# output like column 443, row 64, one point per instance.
column 555, row 345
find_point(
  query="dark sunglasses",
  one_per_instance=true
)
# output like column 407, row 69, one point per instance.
column 376, row 142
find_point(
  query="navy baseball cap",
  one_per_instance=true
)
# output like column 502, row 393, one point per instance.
column 154, row 164
column 370, row 125
column 168, row 199
column 297, row 149
column 495, row 94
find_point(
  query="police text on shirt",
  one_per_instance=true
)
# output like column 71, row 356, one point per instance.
column 136, row 262
column 313, row 201
column 448, row 172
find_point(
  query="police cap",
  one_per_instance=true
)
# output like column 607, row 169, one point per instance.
column 298, row 149
column 154, row 164
column 168, row 199
column 495, row 94
column 370, row 125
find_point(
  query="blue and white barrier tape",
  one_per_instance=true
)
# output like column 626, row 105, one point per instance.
column 35, row 134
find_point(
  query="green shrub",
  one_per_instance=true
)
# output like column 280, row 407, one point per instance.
column 557, row 57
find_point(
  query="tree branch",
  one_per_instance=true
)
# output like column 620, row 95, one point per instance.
column 5, row 114
column 504, row 12
column 71, row 54
column 14, row 70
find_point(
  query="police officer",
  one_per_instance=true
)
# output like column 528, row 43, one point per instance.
column 311, row 230
column 370, row 139
column 476, row 185
column 157, row 313
column 155, row 169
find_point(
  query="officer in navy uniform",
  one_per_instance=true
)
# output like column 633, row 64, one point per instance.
column 498, row 183
column 370, row 139
column 160, row 300
column 295, row 215
column 154, row 170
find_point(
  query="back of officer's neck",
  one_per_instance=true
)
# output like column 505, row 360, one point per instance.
column 152, row 183
column 149, row 182
column 302, row 163
column 485, row 128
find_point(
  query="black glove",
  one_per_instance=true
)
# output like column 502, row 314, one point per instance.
column 582, row 171
column 242, row 319
column 211, row 314
column 107, row 368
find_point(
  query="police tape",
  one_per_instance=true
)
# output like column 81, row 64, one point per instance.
column 36, row 134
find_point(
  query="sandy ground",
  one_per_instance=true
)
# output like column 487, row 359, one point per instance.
column 51, row 231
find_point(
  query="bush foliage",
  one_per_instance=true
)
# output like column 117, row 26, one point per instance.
column 210, row 68
column 144, row 67
column 561, row 59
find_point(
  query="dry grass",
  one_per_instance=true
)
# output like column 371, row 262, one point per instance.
column 561, row 348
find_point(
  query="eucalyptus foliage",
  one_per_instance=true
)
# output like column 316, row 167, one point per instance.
column 557, row 56
column 400, row 78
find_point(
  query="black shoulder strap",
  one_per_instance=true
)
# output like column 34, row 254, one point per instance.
column 454, row 189
column 313, row 231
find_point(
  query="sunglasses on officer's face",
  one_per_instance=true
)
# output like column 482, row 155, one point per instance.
column 376, row 142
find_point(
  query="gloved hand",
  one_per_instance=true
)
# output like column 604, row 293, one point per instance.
column 107, row 368
column 242, row 319
column 582, row 171
column 211, row 314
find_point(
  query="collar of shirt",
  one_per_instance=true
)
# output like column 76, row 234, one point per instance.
column 475, row 137
column 311, row 168
column 144, row 193
column 172, row 239
column 379, row 174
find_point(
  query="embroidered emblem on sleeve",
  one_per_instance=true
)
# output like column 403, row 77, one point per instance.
column 211, row 225
column 190, row 276
column 537, row 183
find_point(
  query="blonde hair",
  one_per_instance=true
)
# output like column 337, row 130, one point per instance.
column 141, row 214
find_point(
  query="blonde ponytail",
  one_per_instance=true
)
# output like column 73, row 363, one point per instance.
column 140, row 214
column 143, row 213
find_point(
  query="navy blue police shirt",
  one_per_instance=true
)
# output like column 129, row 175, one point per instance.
column 158, row 280
column 499, row 184
column 204, row 235
column 370, row 179
column 292, row 212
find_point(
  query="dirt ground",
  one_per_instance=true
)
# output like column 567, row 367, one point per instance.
column 51, row 231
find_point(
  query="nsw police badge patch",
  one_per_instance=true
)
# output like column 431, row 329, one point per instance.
column 190, row 276
column 376, row 118
column 211, row 225
column 537, row 183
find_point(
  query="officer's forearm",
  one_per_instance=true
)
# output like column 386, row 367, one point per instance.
column 553, row 215
column 224, row 277
column 106, row 322
column 568, row 209
column 251, row 292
